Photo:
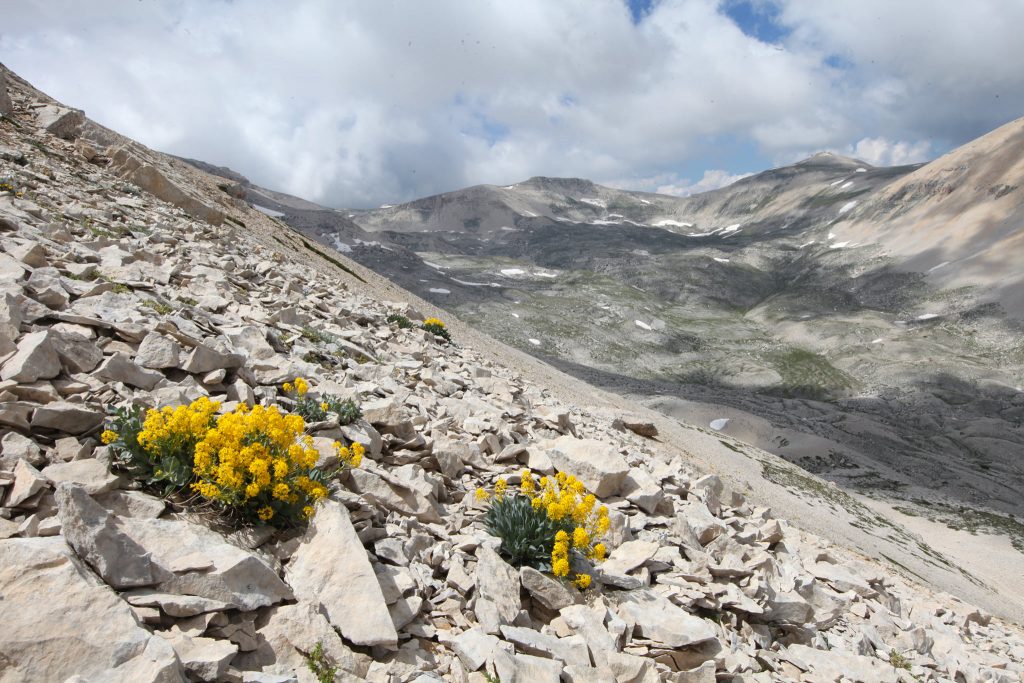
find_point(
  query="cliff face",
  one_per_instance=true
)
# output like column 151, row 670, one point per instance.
column 115, row 295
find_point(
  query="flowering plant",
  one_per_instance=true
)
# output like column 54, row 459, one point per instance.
column 256, row 464
column 549, row 524
column 316, row 410
column 436, row 327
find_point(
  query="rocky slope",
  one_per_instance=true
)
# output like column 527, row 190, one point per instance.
column 140, row 281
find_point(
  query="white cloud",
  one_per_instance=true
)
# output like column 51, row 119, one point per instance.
column 359, row 104
column 712, row 180
column 883, row 152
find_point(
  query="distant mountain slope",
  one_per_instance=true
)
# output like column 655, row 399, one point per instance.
column 959, row 218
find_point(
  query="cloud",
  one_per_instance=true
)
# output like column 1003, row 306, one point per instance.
column 712, row 180
column 882, row 152
column 359, row 104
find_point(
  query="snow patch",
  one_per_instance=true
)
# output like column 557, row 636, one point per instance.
column 642, row 325
column 593, row 201
column 512, row 271
column 470, row 284
column 440, row 290
column 433, row 265
column 668, row 221
column 838, row 245
column 644, row 201
column 847, row 206
column 270, row 212
column 807, row 244
column 928, row 316
column 539, row 273
column 535, row 342
column 387, row 206
column 861, row 170
column 735, row 227
column 508, row 229
column 845, row 185
column 833, row 184
column 941, row 265
column 721, row 260
column 719, row 424
column 514, row 315
column 877, row 341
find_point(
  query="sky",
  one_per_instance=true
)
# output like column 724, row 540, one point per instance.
column 359, row 103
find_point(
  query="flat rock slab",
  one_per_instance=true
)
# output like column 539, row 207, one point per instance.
column 237, row 578
column 331, row 569
column 88, row 630
column 660, row 620
column 596, row 464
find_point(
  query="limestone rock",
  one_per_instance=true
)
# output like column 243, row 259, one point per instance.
column 546, row 590
column 290, row 633
column 204, row 658
column 90, row 474
column 6, row 107
column 354, row 605
column 204, row 359
column 28, row 481
column 36, row 358
column 65, row 416
column 497, row 584
column 597, row 465
column 237, row 578
column 158, row 352
column 120, row 368
column 60, row 121
column 53, row 638
column 659, row 620
column 94, row 534
column 76, row 353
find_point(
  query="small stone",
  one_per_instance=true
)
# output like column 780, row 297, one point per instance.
column 546, row 590
column 73, row 418
column 120, row 368
column 597, row 465
column 36, row 358
column 158, row 352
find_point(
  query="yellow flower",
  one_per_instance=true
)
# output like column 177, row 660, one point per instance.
column 580, row 538
column 288, row 387
column 265, row 513
column 300, row 386
column 481, row 494
column 307, row 511
column 500, row 487
column 582, row 581
column 324, row 406
column 433, row 321
column 281, row 491
column 560, row 567
column 537, row 503
column 108, row 436
column 561, row 537
column 599, row 551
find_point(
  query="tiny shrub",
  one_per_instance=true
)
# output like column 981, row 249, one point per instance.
column 436, row 327
column 550, row 524
column 322, row 667
column 398, row 319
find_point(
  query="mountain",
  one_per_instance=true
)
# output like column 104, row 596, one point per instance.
column 134, row 280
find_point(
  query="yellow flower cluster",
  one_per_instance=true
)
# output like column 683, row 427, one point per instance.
column 563, row 499
column 300, row 387
column 259, row 458
column 176, row 429
column 434, row 321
